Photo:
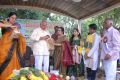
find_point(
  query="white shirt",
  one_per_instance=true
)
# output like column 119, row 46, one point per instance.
column 40, row 47
column 112, row 46
column 92, row 62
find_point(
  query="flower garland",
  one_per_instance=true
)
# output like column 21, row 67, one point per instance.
column 89, row 42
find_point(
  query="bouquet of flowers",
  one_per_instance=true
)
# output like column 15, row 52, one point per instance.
column 79, row 49
column 32, row 74
column 89, row 42
column 50, row 42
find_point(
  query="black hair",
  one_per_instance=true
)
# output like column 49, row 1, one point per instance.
column 93, row 26
column 56, row 27
column 79, row 36
column 11, row 14
column 62, row 29
column 88, row 33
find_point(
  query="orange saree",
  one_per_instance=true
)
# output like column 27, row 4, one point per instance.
column 5, row 45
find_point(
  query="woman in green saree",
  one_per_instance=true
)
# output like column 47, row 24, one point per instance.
column 77, row 69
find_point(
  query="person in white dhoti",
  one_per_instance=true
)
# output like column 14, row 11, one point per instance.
column 40, row 46
column 110, row 49
column 91, row 56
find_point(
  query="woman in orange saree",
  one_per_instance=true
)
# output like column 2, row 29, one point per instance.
column 11, row 50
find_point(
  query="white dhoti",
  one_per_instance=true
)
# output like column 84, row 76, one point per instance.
column 42, row 62
column 41, row 53
column 110, row 68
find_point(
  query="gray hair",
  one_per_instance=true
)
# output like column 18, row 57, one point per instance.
column 109, row 20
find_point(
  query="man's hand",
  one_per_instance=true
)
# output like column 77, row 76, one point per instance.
column 86, row 56
column 45, row 37
column 107, row 57
column 13, row 26
column 42, row 38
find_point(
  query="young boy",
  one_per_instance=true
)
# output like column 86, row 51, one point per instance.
column 91, row 56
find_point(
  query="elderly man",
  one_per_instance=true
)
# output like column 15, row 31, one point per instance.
column 40, row 47
column 110, row 49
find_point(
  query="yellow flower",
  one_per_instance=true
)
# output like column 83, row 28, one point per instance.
column 33, row 77
column 87, row 50
column 11, row 76
column 79, row 49
column 44, row 76
column 90, row 38
column 23, row 78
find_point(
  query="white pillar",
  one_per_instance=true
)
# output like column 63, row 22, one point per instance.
column 79, row 25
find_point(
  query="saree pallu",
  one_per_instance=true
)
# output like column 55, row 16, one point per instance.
column 5, row 45
column 57, row 57
column 76, row 56
column 67, row 57
column 76, row 69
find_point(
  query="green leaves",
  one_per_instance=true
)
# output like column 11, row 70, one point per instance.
column 24, row 13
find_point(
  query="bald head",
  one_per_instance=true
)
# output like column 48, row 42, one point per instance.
column 43, row 24
column 107, row 23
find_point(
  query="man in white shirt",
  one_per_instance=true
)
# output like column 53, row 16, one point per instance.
column 110, row 49
column 40, row 46
column 92, row 56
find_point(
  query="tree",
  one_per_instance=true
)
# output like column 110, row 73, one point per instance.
column 24, row 13
column 98, row 19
